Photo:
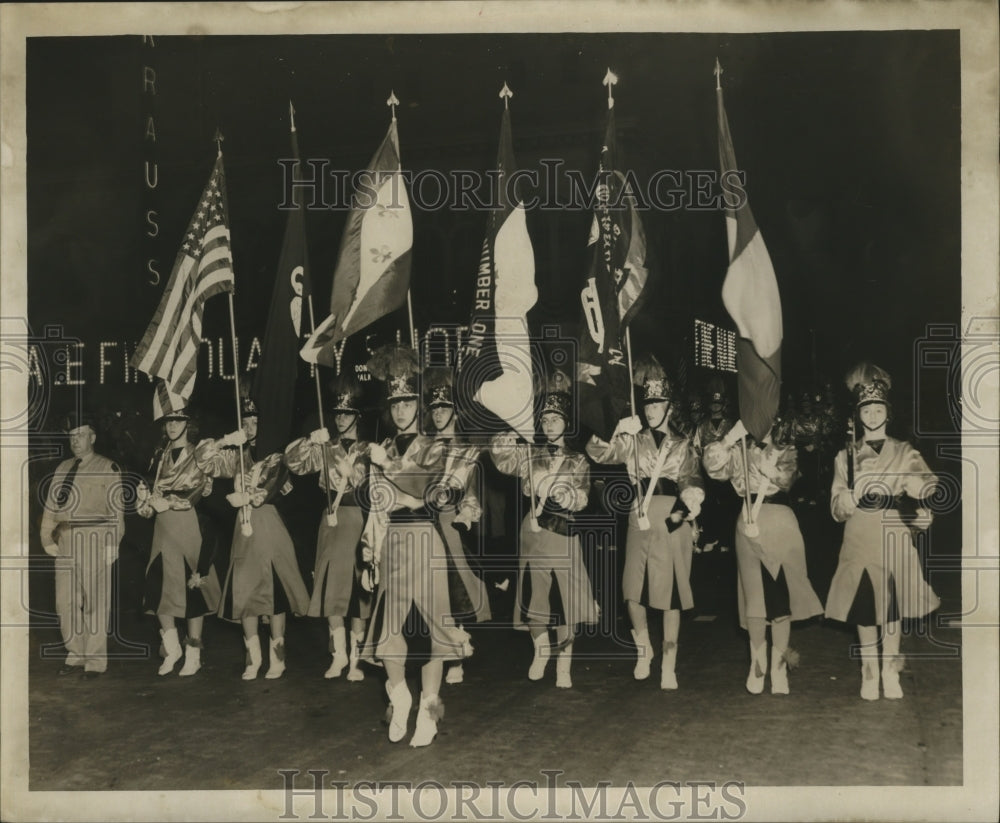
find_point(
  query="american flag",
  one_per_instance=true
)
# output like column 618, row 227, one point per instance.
column 203, row 269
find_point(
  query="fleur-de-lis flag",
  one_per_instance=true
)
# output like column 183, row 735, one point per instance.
column 373, row 269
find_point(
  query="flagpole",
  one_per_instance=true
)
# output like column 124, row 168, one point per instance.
column 639, row 510
column 331, row 513
column 392, row 102
column 748, row 515
column 245, row 525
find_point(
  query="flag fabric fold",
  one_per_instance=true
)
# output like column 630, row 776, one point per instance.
column 496, row 370
column 277, row 374
column 203, row 268
column 615, row 290
column 750, row 295
column 372, row 275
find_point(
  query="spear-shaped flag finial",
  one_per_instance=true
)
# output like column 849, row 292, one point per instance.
column 218, row 139
column 291, row 114
column 506, row 94
column 718, row 75
column 609, row 80
column 392, row 102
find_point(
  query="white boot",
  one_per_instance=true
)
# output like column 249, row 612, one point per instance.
column 668, row 676
column 869, row 678
column 253, row 657
column 192, row 658
column 644, row 650
column 398, row 715
column 338, row 643
column 431, row 711
column 542, row 654
column 456, row 674
column 563, row 663
column 779, row 671
column 892, row 662
column 172, row 646
column 276, row 666
column 758, row 668
column 354, row 673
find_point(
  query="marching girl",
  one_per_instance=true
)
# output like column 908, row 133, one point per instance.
column 337, row 590
column 403, row 543
column 878, row 579
column 263, row 576
column 557, row 484
column 660, row 542
column 459, row 505
column 180, row 579
column 774, row 587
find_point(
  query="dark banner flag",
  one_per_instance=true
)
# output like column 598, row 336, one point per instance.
column 203, row 268
column 274, row 382
column 750, row 294
column 613, row 294
column 373, row 269
column 496, row 370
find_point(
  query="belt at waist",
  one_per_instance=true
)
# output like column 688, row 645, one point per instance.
column 664, row 486
column 83, row 522
column 421, row 515
column 778, row 498
column 886, row 502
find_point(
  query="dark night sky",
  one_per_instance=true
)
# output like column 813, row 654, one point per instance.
column 850, row 142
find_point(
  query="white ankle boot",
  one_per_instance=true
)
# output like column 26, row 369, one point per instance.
column 890, row 678
column 779, row 671
column 644, row 652
column 253, row 657
column 563, row 663
column 398, row 714
column 542, row 654
column 431, row 711
column 354, row 673
column 192, row 658
column 668, row 676
column 172, row 647
column 758, row 668
column 338, row 647
column 276, row 666
column 869, row 678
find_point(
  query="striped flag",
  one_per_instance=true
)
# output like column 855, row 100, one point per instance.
column 496, row 370
column 277, row 375
column 203, row 269
column 373, row 270
column 615, row 290
column 750, row 294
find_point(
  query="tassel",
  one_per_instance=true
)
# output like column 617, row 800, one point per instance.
column 791, row 657
column 435, row 708
column 897, row 663
column 194, row 642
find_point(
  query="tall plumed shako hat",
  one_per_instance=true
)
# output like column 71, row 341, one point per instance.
column 715, row 391
column 651, row 380
column 399, row 369
column 346, row 394
column 438, row 388
column 869, row 384
column 558, row 399
column 248, row 408
column 167, row 405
